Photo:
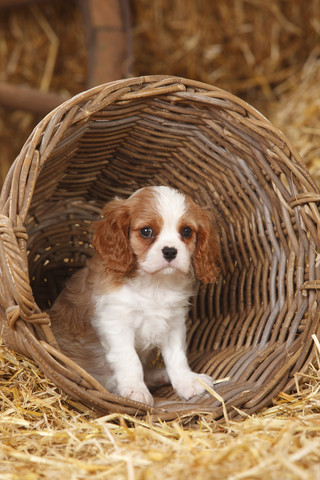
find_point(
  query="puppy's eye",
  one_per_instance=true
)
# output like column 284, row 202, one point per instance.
column 146, row 232
column 186, row 232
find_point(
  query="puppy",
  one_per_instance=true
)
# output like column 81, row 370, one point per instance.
column 133, row 295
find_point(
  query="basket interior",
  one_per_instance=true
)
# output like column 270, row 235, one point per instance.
column 250, row 325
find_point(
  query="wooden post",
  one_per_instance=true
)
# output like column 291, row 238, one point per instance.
column 109, row 39
column 27, row 98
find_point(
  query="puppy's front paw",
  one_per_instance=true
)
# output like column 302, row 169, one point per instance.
column 138, row 393
column 191, row 385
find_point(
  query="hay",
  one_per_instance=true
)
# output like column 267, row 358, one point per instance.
column 222, row 43
column 44, row 435
column 36, row 49
column 297, row 113
column 244, row 46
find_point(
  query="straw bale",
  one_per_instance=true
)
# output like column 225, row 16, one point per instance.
column 36, row 49
column 221, row 43
column 243, row 46
column 44, row 435
column 297, row 113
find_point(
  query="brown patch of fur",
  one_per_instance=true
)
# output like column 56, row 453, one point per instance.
column 111, row 238
column 116, row 236
column 206, row 256
column 72, row 312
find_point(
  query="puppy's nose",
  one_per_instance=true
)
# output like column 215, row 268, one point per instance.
column 169, row 253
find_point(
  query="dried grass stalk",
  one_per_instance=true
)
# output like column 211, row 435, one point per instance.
column 297, row 113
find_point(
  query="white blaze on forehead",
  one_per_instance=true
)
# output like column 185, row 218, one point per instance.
column 171, row 204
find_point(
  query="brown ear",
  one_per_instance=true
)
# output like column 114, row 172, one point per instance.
column 206, row 257
column 111, row 238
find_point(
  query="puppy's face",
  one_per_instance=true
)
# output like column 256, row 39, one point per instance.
column 163, row 231
column 157, row 231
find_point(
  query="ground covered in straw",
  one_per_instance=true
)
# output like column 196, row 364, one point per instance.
column 45, row 435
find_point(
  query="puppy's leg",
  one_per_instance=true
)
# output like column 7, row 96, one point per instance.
column 187, row 384
column 124, row 361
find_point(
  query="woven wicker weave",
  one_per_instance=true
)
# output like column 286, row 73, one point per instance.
column 255, row 324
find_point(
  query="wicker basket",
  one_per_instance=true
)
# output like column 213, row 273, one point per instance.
column 255, row 325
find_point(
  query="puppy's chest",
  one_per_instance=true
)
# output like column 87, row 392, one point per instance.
column 150, row 329
column 151, row 323
column 149, row 312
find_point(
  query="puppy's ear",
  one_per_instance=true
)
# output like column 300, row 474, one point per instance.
column 111, row 238
column 206, row 257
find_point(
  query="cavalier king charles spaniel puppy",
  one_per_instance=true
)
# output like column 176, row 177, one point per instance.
column 133, row 294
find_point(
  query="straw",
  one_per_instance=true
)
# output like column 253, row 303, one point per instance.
column 45, row 435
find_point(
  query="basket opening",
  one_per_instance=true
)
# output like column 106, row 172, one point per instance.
column 227, row 158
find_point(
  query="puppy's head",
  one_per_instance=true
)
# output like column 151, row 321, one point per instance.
column 157, row 231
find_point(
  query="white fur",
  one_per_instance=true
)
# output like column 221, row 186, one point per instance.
column 140, row 316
